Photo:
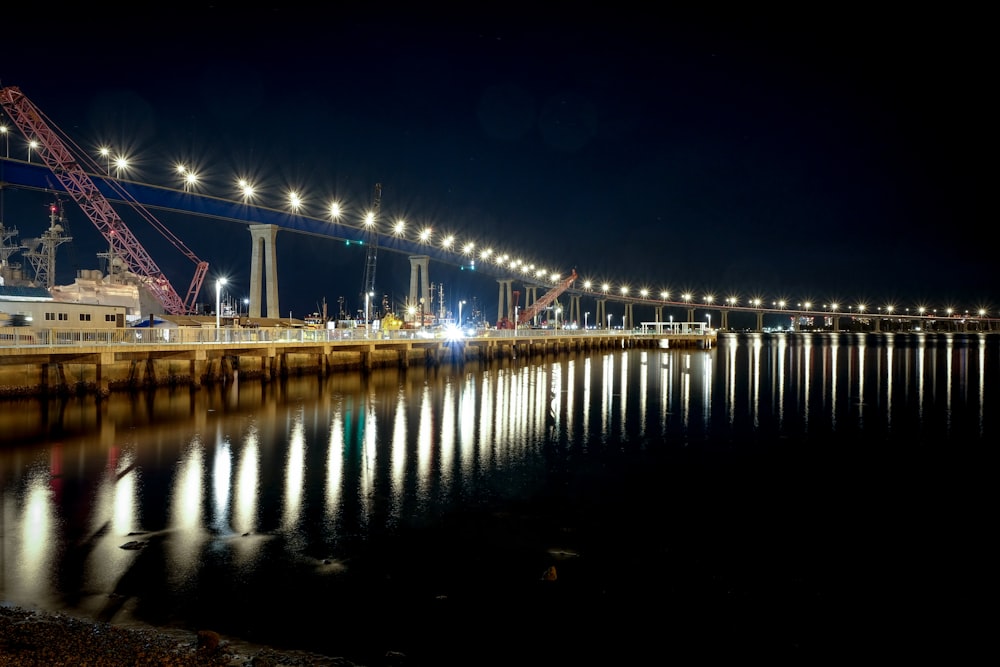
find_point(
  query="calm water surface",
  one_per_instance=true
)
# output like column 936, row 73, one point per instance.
column 777, row 496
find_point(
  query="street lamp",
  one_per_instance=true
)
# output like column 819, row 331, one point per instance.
column 32, row 145
column 218, row 305
column 709, row 316
column 367, row 298
column 609, row 321
column 121, row 164
column 106, row 154
column 460, row 322
column 6, row 140
column 421, row 312
column 586, row 316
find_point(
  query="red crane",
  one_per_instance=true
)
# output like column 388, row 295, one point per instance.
column 538, row 306
column 54, row 151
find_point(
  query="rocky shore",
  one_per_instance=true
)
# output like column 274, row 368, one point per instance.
column 35, row 639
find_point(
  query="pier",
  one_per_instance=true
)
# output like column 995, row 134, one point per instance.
column 58, row 362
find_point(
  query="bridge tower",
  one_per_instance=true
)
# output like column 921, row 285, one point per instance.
column 419, row 282
column 263, row 270
column 602, row 311
column 505, row 304
column 574, row 309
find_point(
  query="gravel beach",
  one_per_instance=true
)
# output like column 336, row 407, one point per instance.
column 31, row 638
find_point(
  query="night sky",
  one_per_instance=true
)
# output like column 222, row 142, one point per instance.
column 801, row 156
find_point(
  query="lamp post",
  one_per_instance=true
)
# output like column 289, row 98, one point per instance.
column 709, row 316
column 218, row 305
column 6, row 140
column 609, row 321
column 106, row 154
column 586, row 316
column 460, row 322
column 367, row 298
column 421, row 313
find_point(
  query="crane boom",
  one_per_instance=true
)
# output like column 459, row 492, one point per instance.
column 57, row 156
column 538, row 306
column 371, row 238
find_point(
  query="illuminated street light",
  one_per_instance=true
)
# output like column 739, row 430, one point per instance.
column 586, row 316
column 218, row 305
column 121, row 164
column 460, row 304
column 32, row 145
column 247, row 190
column 106, row 154
column 6, row 140
column 609, row 321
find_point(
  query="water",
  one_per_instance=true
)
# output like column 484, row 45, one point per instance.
column 779, row 496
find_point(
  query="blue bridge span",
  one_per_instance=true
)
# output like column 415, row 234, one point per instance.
column 263, row 223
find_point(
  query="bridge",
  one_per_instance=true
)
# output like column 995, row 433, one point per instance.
column 264, row 223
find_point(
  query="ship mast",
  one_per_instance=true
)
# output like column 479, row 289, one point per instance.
column 41, row 252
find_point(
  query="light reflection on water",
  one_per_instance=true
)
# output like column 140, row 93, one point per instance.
column 252, row 479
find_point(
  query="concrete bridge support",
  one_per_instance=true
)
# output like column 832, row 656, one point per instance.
column 602, row 314
column 505, row 305
column 574, row 309
column 420, row 283
column 628, row 322
column 263, row 270
column 530, row 297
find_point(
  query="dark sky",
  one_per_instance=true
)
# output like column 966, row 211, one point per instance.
column 820, row 154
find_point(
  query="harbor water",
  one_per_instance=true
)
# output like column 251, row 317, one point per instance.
column 779, row 496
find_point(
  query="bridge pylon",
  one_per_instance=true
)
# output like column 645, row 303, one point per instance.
column 263, row 270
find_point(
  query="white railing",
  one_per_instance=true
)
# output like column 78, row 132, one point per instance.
column 17, row 337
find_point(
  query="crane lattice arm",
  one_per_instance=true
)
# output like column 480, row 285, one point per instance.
column 55, row 153
column 538, row 306
column 371, row 238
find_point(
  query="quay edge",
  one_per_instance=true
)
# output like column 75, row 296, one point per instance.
column 100, row 367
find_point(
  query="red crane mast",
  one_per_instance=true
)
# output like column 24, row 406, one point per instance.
column 538, row 306
column 65, row 166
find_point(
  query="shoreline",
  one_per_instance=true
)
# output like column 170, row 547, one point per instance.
column 30, row 637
